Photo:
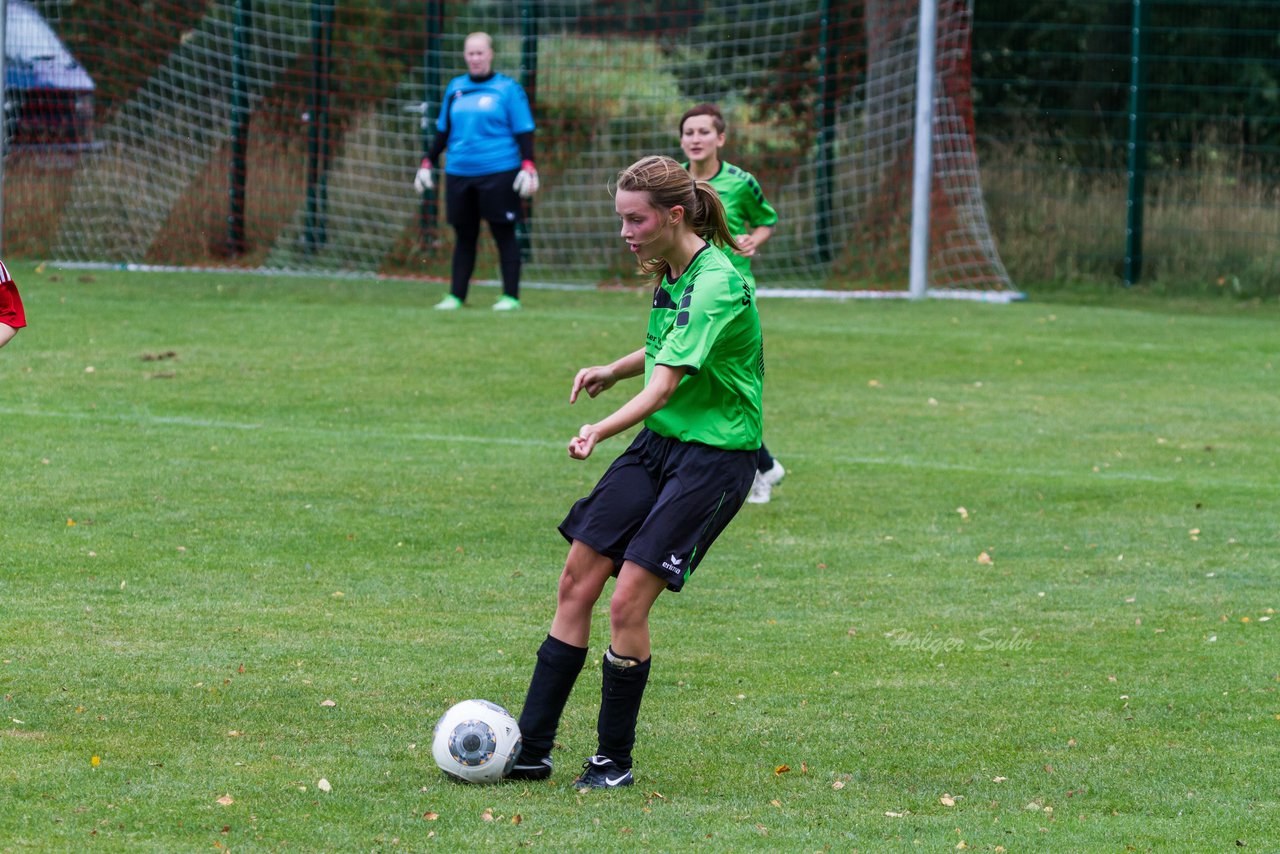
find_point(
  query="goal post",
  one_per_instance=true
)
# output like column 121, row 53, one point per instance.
column 236, row 140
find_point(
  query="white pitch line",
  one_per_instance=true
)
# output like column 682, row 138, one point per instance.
column 211, row 424
column 511, row 441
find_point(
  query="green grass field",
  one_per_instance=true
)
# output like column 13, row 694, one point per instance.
column 260, row 532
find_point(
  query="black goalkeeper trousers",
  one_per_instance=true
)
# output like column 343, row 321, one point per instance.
column 464, row 257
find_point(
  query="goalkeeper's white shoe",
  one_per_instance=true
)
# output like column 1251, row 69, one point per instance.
column 762, row 488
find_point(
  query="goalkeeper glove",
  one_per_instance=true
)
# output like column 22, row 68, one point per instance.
column 423, row 182
column 526, row 183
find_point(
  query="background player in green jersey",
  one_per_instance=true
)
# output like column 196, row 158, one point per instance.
column 751, row 219
column 658, row 508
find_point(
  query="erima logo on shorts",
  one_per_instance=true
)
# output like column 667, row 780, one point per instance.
column 673, row 563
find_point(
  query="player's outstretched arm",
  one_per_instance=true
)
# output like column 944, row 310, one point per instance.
column 662, row 384
column 600, row 378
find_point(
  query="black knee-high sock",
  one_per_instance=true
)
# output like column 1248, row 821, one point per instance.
column 504, row 237
column 464, row 258
column 621, row 689
column 764, row 459
column 558, row 667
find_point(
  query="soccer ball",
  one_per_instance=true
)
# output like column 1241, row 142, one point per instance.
column 476, row 742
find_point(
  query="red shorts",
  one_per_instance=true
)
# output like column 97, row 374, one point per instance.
column 11, row 313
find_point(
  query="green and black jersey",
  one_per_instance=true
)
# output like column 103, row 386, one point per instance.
column 706, row 322
column 745, row 207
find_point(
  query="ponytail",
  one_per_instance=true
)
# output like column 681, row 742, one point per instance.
column 709, row 219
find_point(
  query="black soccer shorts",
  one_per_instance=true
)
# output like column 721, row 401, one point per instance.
column 469, row 199
column 662, row 503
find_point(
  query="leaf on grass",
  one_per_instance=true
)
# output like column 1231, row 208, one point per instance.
column 487, row 815
column 328, row 703
column 902, row 814
column 780, row 770
column 839, row 784
column 430, row 816
column 947, row 801
column 226, row 800
column 999, row 779
column 985, row 559
column 517, row 818
column 964, row 514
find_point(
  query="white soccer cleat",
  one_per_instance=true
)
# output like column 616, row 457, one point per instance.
column 762, row 487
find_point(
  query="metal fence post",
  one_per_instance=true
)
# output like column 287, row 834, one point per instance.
column 431, row 97
column 241, row 35
column 1137, row 154
column 529, row 80
column 825, row 167
column 322, row 15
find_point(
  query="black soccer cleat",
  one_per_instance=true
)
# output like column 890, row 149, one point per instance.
column 524, row 769
column 601, row 772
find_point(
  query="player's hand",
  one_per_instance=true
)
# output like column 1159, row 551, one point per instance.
column 593, row 380
column 423, row 182
column 526, row 183
column 746, row 245
column 581, row 445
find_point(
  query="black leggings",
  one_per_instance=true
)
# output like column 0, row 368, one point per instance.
column 464, row 257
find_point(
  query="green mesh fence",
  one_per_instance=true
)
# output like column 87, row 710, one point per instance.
column 1132, row 141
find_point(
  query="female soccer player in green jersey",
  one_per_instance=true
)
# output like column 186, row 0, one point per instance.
column 658, row 508
column 751, row 221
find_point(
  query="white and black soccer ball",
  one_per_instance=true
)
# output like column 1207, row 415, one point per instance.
column 476, row 742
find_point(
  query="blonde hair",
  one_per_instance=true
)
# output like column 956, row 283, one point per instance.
column 670, row 185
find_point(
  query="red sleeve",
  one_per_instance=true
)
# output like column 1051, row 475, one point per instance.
column 11, row 313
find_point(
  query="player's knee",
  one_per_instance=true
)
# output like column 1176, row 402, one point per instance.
column 626, row 611
column 580, row 584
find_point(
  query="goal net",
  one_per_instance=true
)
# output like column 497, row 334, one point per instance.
column 285, row 135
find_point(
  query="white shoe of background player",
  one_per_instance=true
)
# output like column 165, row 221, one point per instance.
column 762, row 488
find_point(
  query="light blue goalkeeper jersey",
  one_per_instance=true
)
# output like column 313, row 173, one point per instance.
column 482, row 120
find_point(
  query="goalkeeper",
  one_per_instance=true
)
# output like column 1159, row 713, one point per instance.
column 12, row 317
column 751, row 220
column 487, row 126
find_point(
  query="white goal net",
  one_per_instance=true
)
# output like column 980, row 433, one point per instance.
column 285, row 135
